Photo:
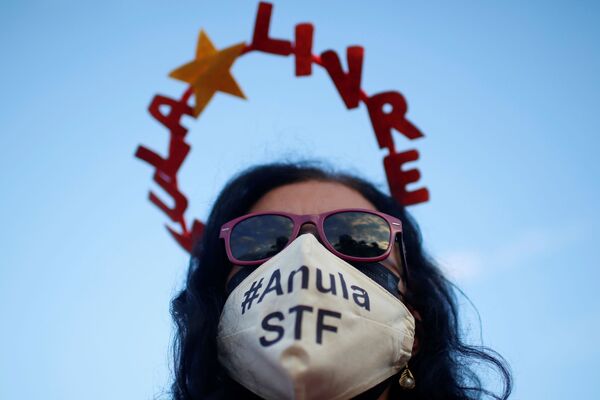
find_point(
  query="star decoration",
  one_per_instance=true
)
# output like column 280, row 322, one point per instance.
column 209, row 72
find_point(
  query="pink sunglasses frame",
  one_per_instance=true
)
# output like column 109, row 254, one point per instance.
column 317, row 220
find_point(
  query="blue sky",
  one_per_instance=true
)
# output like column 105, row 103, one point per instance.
column 506, row 93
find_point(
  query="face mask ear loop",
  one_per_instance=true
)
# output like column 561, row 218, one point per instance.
column 237, row 278
column 406, row 297
column 402, row 251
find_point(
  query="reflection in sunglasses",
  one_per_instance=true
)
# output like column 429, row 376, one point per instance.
column 260, row 237
column 250, row 249
column 351, row 247
column 358, row 234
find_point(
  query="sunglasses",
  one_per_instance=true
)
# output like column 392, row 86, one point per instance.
column 352, row 234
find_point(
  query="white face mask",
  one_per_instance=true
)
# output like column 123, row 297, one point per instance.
column 308, row 325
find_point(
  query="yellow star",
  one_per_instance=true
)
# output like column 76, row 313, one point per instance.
column 209, row 72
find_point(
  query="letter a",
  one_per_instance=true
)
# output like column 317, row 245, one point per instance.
column 361, row 297
column 273, row 285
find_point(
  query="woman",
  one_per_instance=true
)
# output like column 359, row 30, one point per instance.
column 441, row 364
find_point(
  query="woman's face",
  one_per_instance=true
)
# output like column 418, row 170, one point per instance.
column 315, row 197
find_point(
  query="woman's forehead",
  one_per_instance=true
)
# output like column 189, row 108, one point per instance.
column 311, row 197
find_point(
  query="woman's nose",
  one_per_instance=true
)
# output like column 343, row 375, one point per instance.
column 311, row 228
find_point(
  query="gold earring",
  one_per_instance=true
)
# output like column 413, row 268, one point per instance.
column 407, row 380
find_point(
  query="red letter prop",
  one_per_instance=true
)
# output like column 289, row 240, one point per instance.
column 178, row 150
column 384, row 122
column 210, row 72
column 398, row 179
column 348, row 85
column 165, row 174
column 185, row 239
column 303, row 49
column 172, row 120
column 261, row 40
column 175, row 213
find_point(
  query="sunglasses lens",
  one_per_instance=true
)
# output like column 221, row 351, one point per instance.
column 357, row 234
column 259, row 237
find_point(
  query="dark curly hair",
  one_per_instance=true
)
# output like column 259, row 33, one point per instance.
column 444, row 366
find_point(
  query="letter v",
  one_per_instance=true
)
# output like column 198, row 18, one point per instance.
column 347, row 84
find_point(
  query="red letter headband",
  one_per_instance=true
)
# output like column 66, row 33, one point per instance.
column 209, row 73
